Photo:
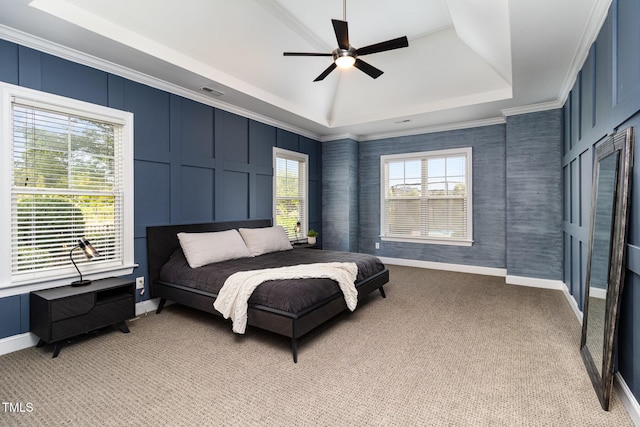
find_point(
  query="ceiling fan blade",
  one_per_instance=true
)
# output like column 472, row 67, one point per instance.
column 326, row 72
column 383, row 46
column 306, row 54
column 372, row 71
column 342, row 33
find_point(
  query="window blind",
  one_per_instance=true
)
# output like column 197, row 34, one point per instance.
column 291, row 193
column 426, row 196
column 66, row 184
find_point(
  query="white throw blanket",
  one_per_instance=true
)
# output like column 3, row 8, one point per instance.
column 232, row 301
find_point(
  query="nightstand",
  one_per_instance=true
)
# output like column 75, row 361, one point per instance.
column 306, row 246
column 61, row 313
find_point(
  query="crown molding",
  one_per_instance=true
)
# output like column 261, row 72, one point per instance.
column 329, row 138
column 55, row 49
column 436, row 128
column 533, row 108
column 596, row 20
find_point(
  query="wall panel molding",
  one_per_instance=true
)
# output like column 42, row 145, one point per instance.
column 612, row 76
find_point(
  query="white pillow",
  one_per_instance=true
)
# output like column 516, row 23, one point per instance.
column 265, row 240
column 204, row 248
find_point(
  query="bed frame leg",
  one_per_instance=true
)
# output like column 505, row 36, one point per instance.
column 161, row 305
column 382, row 292
column 294, row 349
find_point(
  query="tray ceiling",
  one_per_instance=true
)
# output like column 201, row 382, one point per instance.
column 468, row 61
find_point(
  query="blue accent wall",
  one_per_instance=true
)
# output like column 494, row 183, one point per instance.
column 340, row 204
column 604, row 99
column 10, row 315
column 192, row 162
column 534, row 195
column 489, row 196
column 517, row 196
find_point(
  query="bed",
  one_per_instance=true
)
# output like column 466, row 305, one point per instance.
column 290, row 308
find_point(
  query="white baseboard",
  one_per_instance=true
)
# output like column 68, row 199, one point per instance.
column 26, row 340
column 572, row 303
column 148, row 306
column 534, row 282
column 628, row 399
column 17, row 342
column 487, row 271
column 597, row 293
column 460, row 268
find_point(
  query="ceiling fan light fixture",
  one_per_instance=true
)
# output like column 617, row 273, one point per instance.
column 344, row 58
column 345, row 61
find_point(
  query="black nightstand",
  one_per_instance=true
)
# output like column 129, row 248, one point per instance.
column 306, row 246
column 61, row 313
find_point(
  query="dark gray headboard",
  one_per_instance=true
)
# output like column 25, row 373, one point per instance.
column 162, row 241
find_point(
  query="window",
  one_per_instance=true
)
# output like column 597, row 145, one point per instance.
column 290, row 191
column 426, row 197
column 67, row 173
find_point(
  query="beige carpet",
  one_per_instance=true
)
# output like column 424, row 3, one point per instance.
column 443, row 349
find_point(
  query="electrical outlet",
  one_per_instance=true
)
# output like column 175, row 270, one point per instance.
column 140, row 282
column 377, row 245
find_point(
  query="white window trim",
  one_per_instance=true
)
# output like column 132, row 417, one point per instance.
column 62, row 277
column 299, row 157
column 435, row 241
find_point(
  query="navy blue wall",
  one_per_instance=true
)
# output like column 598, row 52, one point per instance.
column 605, row 98
column 517, row 195
column 340, row 205
column 489, row 189
column 534, row 195
column 192, row 162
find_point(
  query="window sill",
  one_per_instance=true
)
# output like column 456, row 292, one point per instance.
column 423, row 241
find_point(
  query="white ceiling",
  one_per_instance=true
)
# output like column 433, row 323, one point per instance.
column 469, row 62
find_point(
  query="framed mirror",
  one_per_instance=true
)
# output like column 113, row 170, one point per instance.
column 606, row 259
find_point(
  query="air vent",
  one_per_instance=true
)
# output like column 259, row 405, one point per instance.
column 211, row 91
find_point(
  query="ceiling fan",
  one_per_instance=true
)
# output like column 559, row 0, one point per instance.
column 346, row 55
